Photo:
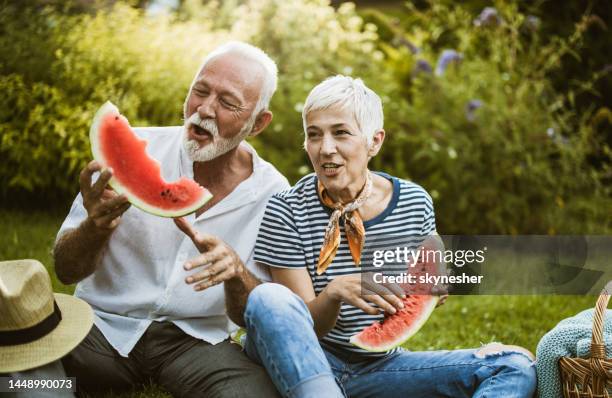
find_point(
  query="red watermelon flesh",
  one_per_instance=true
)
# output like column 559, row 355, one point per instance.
column 396, row 329
column 135, row 173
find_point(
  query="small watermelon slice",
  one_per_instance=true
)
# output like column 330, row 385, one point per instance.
column 135, row 174
column 397, row 328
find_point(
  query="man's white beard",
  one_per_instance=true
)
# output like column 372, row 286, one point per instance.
column 219, row 145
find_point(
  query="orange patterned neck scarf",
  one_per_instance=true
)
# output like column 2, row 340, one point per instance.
column 353, row 226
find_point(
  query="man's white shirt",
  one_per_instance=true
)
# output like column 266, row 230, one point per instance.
column 141, row 278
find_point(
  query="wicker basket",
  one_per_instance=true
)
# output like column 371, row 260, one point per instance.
column 590, row 377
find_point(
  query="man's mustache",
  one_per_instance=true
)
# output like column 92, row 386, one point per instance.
column 207, row 124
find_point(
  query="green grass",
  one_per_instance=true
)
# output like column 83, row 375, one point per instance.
column 469, row 321
column 462, row 322
column 31, row 234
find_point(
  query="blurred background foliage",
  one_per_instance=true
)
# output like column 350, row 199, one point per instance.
column 501, row 110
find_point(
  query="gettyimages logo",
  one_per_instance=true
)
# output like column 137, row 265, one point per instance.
column 490, row 264
column 411, row 257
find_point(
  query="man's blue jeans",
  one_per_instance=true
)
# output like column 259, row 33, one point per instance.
column 280, row 336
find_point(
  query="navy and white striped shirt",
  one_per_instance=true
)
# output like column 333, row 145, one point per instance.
column 292, row 232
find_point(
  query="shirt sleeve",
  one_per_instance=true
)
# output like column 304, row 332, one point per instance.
column 278, row 243
column 260, row 270
column 429, row 218
column 76, row 216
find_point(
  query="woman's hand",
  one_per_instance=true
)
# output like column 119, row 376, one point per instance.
column 441, row 292
column 359, row 290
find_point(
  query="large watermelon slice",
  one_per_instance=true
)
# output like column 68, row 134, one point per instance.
column 135, row 174
column 395, row 329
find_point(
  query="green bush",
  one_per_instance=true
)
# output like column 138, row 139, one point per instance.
column 63, row 67
column 518, row 161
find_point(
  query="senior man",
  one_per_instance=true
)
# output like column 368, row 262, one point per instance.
column 165, row 296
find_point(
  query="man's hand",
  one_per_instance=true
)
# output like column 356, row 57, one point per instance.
column 104, row 206
column 78, row 252
column 217, row 262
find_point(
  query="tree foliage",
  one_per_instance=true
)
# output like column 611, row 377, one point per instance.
column 498, row 147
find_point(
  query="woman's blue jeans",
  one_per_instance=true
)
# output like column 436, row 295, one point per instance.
column 280, row 336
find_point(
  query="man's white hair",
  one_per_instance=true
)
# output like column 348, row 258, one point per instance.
column 346, row 92
column 256, row 54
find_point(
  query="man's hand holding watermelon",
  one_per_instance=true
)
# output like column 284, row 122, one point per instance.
column 104, row 206
column 83, row 246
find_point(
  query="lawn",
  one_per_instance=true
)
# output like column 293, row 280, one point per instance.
column 464, row 321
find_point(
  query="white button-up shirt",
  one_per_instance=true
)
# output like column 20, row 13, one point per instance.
column 141, row 278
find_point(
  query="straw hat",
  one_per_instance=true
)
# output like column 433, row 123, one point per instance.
column 34, row 331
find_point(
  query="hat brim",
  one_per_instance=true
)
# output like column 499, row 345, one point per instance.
column 77, row 320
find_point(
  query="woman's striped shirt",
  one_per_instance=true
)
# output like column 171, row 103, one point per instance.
column 292, row 231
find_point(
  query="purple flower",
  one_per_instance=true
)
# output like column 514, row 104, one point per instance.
column 421, row 66
column 470, row 109
column 402, row 41
column 531, row 24
column 489, row 17
column 447, row 57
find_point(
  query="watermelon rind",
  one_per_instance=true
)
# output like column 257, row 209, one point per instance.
column 399, row 340
column 110, row 108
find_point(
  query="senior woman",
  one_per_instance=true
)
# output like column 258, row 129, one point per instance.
column 312, row 236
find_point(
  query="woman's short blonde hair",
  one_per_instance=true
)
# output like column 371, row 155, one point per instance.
column 348, row 93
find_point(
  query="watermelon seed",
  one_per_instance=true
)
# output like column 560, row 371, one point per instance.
column 116, row 117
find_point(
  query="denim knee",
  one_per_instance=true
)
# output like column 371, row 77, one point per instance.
column 272, row 301
column 523, row 369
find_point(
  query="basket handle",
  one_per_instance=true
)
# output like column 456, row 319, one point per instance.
column 598, row 348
